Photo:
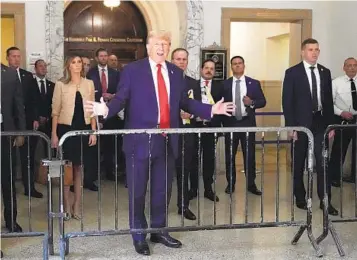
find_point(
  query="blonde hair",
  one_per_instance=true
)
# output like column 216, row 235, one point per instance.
column 66, row 72
column 161, row 34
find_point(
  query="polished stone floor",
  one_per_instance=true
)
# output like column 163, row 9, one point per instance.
column 264, row 243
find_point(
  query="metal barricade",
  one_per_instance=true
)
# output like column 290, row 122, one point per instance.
column 328, row 226
column 48, row 234
column 152, row 136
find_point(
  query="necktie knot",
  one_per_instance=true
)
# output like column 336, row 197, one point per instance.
column 158, row 66
column 103, row 70
column 237, row 81
column 351, row 80
column 312, row 67
column 206, row 83
column 41, row 81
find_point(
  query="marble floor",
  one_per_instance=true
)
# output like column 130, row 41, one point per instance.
column 263, row 243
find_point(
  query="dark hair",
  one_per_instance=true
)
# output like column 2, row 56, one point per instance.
column 100, row 50
column 13, row 48
column 176, row 50
column 308, row 41
column 36, row 62
column 237, row 57
column 208, row 60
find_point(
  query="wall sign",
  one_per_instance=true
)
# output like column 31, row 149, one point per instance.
column 219, row 55
column 102, row 39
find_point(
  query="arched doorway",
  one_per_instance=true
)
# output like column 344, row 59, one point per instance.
column 89, row 25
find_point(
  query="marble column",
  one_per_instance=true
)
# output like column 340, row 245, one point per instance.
column 194, row 36
column 54, row 38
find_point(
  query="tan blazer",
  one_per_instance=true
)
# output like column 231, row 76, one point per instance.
column 64, row 97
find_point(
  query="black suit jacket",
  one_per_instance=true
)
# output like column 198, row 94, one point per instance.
column 113, row 81
column 43, row 106
column 297, row 98
column 254, row 92
column 216, row 92
column 28, row 96
column 12, row 105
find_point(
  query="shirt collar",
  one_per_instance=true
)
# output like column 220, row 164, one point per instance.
column 153, row 64
column 307, row 65
column 242, row 78
column 101, row 68
column 39, row 79
column 203, row 80
column 348, row 78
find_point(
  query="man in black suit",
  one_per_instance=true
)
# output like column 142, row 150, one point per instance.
column 106, row 81
column 247, row 95
column 179, row 57
column 42, row 89
column 11, row 107
column 13, row 56
column 209, row 93
column 307, row 102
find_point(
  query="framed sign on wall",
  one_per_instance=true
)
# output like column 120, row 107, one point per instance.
column 219, row 55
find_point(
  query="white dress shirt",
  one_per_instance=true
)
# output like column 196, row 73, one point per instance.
column 100, row 69
column 243, row 92
column 39, row 83
column 318, row 81
column 203, row 89
column 342, row 96
column 165, row 74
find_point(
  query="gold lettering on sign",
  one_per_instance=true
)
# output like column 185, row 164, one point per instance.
column 102, row 39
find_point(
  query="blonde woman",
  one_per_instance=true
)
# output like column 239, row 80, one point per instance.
column 67, row 115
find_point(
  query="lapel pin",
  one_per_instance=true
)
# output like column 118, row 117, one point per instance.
column 249, row 82
column 172, row 72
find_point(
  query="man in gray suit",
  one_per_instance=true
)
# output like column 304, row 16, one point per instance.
column 12, row 106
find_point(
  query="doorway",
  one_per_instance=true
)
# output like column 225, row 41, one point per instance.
column 89, row 25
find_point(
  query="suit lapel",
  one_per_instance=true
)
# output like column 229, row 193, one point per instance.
column 228, row 90
column 250, row 87
column 172, row 88
column 322, row 80
column 306, row 79
column 149, row 78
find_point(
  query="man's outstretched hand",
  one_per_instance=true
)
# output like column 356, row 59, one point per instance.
column 96, row 108
column 221, row 108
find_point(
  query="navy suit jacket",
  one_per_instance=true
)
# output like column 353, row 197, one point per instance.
column 113, row 81
column 254, row 92
column 297, row 98
column 136, row 93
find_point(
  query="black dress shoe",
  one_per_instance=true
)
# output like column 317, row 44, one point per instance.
column 192, row 194
column 187, row 213
column 349, row 179
column 142, row 247
column 16, row 228
column 331, row 210
column 92, row 187
column 165, row 240
column 301, row 205
column 211, row 196
column 336, row 184
column 2, row 254
column 253, row 189
column 228, row 189
column 34, row 194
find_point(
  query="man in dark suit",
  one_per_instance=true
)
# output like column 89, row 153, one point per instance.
column 248, row 96
column 13, row 56
column 208, row 91
column 152, row 100
column 11, row 107
column 106, row 81
column 179, row 57
column 307, row 102
column 42, row 89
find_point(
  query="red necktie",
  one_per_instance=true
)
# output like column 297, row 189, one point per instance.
column 163, row 100
column 104, row 82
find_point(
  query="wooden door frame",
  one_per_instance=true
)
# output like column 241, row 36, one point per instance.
column 299, row 16
column 17, row 10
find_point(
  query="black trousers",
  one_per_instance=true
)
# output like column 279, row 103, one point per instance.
column 248, row 153
column 184, row 167
column 108, row 147
column 27, row 158
column 208, row 160
column 339, row 149
column 300, row 153
column 8, row 183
